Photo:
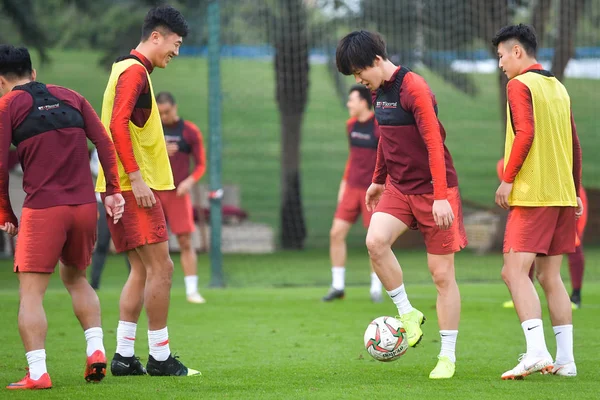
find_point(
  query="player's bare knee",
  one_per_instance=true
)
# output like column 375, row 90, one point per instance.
column 185, row 243
column 547, row 280
column 507, row 275
column 377, row 245
column 336, row 234
column 442, row 277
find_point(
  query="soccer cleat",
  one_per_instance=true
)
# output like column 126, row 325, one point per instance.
column 528, row 365
column 196, row 298
column 170, row 367
column 444, row 369
column 126, row 366
column 95, row 368
column 575, row 301
column 376, row 297
column 412, row 324
column 27, row 383
column 333, row 294
column 568, row 369
column 508, row 304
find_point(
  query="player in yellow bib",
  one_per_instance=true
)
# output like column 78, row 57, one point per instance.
column 130, row 114
column 541, row 185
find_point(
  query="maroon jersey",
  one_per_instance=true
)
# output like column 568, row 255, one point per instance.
column 411, row 150
column 363, row 138
column 191, row 146
column 50, row 125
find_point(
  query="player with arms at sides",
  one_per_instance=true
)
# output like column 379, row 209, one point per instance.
column 576, row 260
column 184, row 142
column 50, row 125
column 414, row 187
column 130, row 114
column 363, row 137
column 540, row 186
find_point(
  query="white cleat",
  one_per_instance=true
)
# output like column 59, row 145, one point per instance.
column 196, row 298
column 568, row 369
column 528, row 365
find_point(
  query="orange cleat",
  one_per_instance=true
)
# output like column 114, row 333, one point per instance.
column 29, row 384
column 95, row 369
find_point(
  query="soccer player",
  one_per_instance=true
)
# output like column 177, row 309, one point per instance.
column 540, row 186
column 414, row 187
column 50, row 125
column 363, row 137
column 184, row 142
column 130, row 114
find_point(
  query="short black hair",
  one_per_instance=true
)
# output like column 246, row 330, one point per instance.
column 165, row 97
column 364, row 94
column 358, row 50
column 524, row 34
column 15, row 62
column 166, row 18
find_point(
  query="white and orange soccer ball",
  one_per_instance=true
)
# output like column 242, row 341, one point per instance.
column 385, row 339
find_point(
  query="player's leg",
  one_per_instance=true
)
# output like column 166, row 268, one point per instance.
column 337, row 254
column 189, row 264
column 576, row 268
column 376, row 287
column 510, row 303
column 102, row 247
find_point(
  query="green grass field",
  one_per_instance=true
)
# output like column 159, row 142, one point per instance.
column 251, row 145
column 269, row 336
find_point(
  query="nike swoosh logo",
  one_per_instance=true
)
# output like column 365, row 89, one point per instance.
column 557, row 333
column 123, row 364
column 533, row 327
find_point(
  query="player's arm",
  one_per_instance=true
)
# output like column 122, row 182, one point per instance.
column 375, row 191
column 8, row 219
column 193, row 136
column 344, row 179
column 577, row 161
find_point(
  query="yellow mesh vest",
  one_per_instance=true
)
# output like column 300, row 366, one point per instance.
column 546, row 178
column 148, row 142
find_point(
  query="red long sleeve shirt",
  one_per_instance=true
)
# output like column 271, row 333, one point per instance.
column 363, row 138
column 180, row 161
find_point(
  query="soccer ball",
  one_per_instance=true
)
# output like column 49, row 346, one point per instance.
column 385, row 339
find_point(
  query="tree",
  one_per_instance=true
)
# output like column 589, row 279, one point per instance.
column 564, row 49
column 20, row 13
column 291, row 74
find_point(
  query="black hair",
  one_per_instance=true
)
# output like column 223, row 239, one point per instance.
column 166, row 18
column 15, row 62
column 358, row 50
column 364, row 94
column 165, row 97
column 524, row 34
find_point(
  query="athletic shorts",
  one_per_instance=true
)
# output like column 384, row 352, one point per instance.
column 138, row 226
column 542, row 230
column 47, row 235
column 178, row 211
column 415, row 210
column 352, row 205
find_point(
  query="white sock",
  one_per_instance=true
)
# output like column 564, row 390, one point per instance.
column 94, row 336
column 338, row 274
column 159, row 344
column 534, row 336
column 564, row 344
column 126, row 338
column 400, row 299
column 375, row 283
column 448, row 339
column 37, row 363
column 191, row 284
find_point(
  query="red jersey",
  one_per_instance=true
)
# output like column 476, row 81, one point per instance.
column 411, row 149
column 363, row 138
column 50, row 126
column 191, row 146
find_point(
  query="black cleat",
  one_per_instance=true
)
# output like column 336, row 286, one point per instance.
column 126, row 366
column 170, row 367
column 576, row 300
column 333, row 294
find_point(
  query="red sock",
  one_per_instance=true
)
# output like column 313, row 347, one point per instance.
column 576, row 264
column 532, row 271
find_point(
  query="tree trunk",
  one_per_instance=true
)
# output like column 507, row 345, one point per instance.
column 564, row 49
column 541, row 13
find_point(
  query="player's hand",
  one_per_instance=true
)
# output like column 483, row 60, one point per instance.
column 579, row 211
column 10, row 228
column 185, row 186
column 442, row 214
column 502, row 194
column 374, row 193
column 114, row 205
column 172, row 148
column 143, row 195
column 341, row 191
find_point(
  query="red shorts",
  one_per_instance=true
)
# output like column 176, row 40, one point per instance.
column 178, row 211
column 139, row 225
column 415, row 210
column 352, row 205
column 542, row 230
column 47, row 235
